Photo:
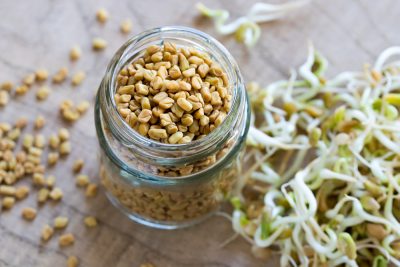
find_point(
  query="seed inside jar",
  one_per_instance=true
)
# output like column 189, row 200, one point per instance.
column 170, row 94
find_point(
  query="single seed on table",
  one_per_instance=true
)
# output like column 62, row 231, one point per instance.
column 82, row 180
column 78, row 78
column 75, row 53
column 38, row 179
column 126, row 26
column 8, row 202
column 60, row 222
column 56, row 193
column 66, row 104
column 43, row 195
column 61, row 75
column 63, row 133
column 102, row 15
column 91, row 190
column 66, row 240
column 54, row 141
column 4, row 98
column 50, row 181
column 29, row 79
column 39, row 122
column 42, row 93
column 29, row 213
column 52, row 158
column 65, row 148
column 99, row 44
column 72, row 261
column 78, row 165
column 41, row 75
column 184, row 104
column 21, row 122
column 90, row 221
column 83, row 106
column 7, row 190
column 7, row 86
column 47, row 232
column 21, row 192
column 39, row 141
column 21, row 90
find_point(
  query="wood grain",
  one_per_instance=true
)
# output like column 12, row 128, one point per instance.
column 40, row 33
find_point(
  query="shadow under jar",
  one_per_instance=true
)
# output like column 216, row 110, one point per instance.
column 170, row 185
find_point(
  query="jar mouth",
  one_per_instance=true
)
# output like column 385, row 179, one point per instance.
column 150, row 148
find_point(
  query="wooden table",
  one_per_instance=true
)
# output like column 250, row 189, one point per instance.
column 40, row 33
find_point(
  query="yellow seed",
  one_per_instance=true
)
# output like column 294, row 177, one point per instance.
column 21, row 192
column 29, row 79
column 43, row 195
column 204, row 120
column 175, row 72
column 78, row 165
column 39, row 122
column 189, row 72
column 65, row 148
column 4, row 98
column 21, row 90
column 50, row 181
column 43, row 93
column 142, row 89
column 143, row 128
column 61, row 75
column 56, row 193
column 39, row 141
column 47, row 232
column 90, row 221
column 313, row 111
column 63, row 133
column 184, row 104
column 21, row 122
column 126, row 26
column 72, row 261
column 174, row 139
column 145, row 115
column 52, row 158
column 197, row 82
column 60, row 222
column 8, row 202
column 157, row 133
column 102, row 15
column 82, row 180
column 7, row 190
column 78, row 78
column 152, row 49
column 91, row 190
column 99, row 44
column 38, row 179
column 66, row 240
column 7, row 86
column 75, row 53
column 203, row 70
column 83, row 106
column 54, row 141
column 29, row 213
column 42, row 75
column 171, row 85
column 145, row 103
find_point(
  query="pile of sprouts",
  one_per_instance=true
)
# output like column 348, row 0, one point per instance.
column 325, row 186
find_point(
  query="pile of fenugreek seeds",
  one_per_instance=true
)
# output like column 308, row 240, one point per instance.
column 173, row 95
column 26, row 155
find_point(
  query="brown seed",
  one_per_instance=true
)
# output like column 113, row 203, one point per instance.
column 21, row 122
column 184, row 104
column 47, row 232
column 166, row 103
column 29, row 79
column 78, row 165
column 8, row 202
column 29, row 213
column 66, row 240
column 39, row 122
column 4, row 98
column 145, row 115
column 63, row 133
column 21, row 192
column 157, row 134
column 90, row 221
column 91, row 190
column 72, row 261
column 175, row 72
column 377, row 231
column 41, row 75
column 82, row 180
column 7, row 190
column 7, row 86
column 143, row 128
column 52, row 158
column 196, row 82
column 174, row 139
column 189, row 72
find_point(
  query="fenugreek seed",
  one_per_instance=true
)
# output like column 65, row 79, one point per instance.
column 82, row 180
column 185, row 140
column 165, row 119
column 7, row 190
column 75, row 53
column 177, row 111
column 166, row 103
column 157, row 133
column 52, row 158
column 60, row 222
column 72, row 261
column 47, row 232
column 7, row 86
column 29, row 79
column 156, row 57
column 175, row 72
column 61, row 75
column 8, row 202
column 91, row 190
column 50, row 181
column 21, row 122
column 38, row 179
column 183, row 62
column 204, row 120
column 182, row 128
column 4, row 98
column 184, row 86
column 27, row 142
column 174, row 139
column 196, row 82
column 126, row 26
column 159, row 97
column 43, row 93
column 39, row 122
column 37, row 152
column 43, row 195
column 143, row 128
column 162, row 72
column 187, row 119
column 14, row 134
column 63, row 134
column 41, row 75
column 99, row 44
column 78, row 165
column 39, row 141
column 29, row 213
column 66, row 104
column 216, row 70
column 199, row 113
column 78, row 78
column 220, row 119
column 215, row 98
column 145, row 103
column 152, row 49
column 65, row 148
column 172, row 86
column 184, row 104
column 144, row 116
column 56, row 193
column 90, row 221
column 66, row 240
column 102, row 15
column 83, row 106
column 21, row 192
column 189, row 72
column 142, row 89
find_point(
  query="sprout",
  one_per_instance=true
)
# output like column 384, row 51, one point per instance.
column 327, row 178
column 246, row 28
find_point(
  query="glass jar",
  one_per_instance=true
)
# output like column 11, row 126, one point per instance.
column 170, row 185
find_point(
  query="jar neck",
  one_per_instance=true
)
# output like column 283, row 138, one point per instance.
column 172, row 154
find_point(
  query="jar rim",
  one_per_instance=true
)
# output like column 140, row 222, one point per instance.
column 147, row 147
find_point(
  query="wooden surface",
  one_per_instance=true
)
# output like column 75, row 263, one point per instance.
column 40, row 33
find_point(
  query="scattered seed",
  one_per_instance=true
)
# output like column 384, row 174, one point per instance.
column 78, row 78
column 7, row 86
column 102, row 15
column 99, row 44
column 91, row 190
column 126, row 26
column 22, row 192
column 63, row 133
column 39, row 122
column 72, row 261
column 56, row 193
column 43, row 195
column 43, row 93
column 75, row 53
column 4, row 98
column 41, row 75
column 83, row 106
column 65, row 148
column 60, row 222
column 78, row 165
column 66, row 240
column 8, row 202
column 47, row 232
column 29, row 79
column 7, row 190
column 61, row 75
column 90, row 221
column 82, row 180
column 29, row 213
